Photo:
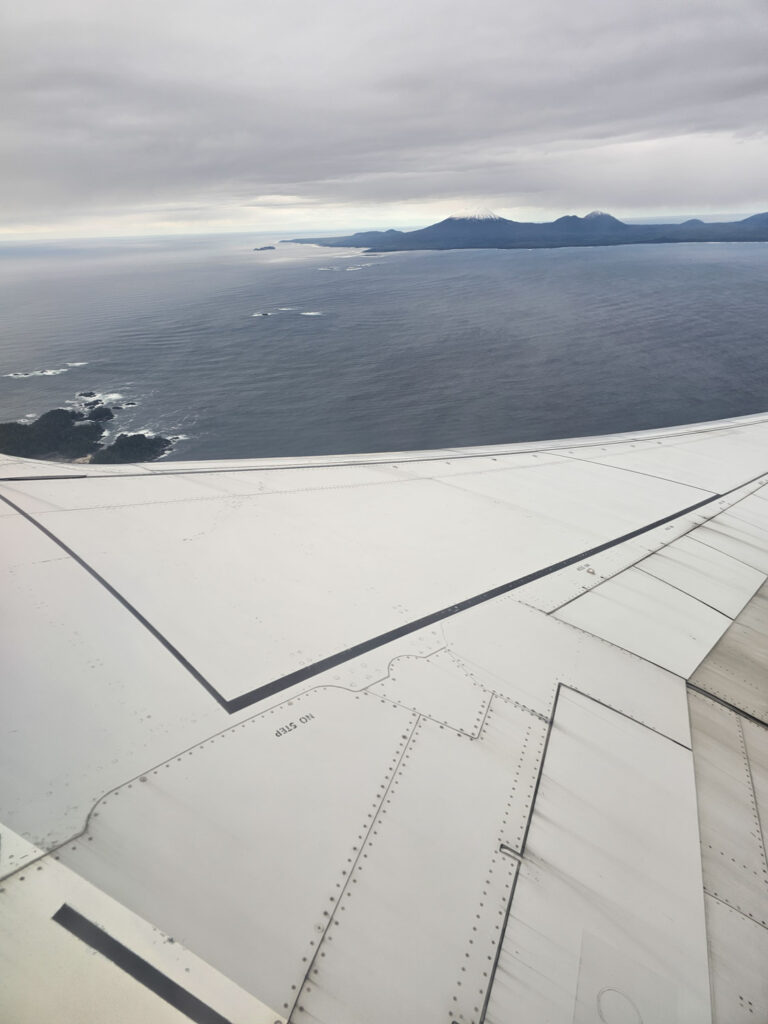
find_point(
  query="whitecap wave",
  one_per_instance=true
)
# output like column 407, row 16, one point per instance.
column 19, row 374
column 105, row 397
column 312, row 312
column 285, row 309
column 92, row 398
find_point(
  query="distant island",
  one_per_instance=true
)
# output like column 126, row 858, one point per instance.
column 263, row 248
column 487, row 231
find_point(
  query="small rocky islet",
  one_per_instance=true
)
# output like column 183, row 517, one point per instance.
column 71, row 435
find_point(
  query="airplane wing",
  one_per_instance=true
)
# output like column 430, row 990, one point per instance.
column 475, row 735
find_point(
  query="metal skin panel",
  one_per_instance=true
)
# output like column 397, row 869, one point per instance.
column 49, row 975
column 373, row 665
column 95, row 703
column 422, row 913
column 700, row 460
column 523, row 654
column 438, row 687
column 733, row 847
column 752, row 509
column 735, row 536
column 239, row 848
column 554, row 591
column 612, row 860
column 460, row 467
column 738, row 954
column 573, row 495
column 708, row 575
column 731, row 764
column 15, row 851
column 287, row 579
column 654, row 620
column 38, row 496
column 736, row 669
column 755, row 738
column 749, row 518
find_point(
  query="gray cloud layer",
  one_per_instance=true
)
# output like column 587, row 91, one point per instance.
column 177, row 109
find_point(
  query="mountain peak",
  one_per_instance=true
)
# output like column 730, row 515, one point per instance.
column 475, row 214
column 600, row 217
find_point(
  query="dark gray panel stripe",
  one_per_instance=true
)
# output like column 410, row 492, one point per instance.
column 198, row 676
column 138, row 968
column 246, row 699
column 251, row 697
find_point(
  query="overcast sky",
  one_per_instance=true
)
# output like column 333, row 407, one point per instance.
column 195, row 115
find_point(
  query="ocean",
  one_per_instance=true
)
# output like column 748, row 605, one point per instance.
column 381, row 353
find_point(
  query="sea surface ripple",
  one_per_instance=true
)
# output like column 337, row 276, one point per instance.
column 247, row 354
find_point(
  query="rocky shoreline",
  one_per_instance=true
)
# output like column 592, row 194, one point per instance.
column 75, row 435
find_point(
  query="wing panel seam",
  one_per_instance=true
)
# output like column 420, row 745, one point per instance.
column 251, row 697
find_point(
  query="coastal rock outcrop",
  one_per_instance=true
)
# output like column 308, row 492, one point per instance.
column 100, row 412
column 70, row 434
column 133, row 448
column 57, row 434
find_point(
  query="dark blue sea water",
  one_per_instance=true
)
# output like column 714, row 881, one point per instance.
column 408, row 350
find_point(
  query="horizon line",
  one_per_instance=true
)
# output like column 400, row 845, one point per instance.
column 8, row 239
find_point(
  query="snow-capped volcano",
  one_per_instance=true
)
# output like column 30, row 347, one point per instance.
column 475, row 214
column 600, row 217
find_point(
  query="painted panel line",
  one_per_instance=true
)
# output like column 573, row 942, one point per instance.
column 138, row 968
column 300, row 675
column 252, row 697
column 733, row 708
column 198, row 676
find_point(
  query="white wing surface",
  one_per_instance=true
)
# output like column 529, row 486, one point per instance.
column 458, row 736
